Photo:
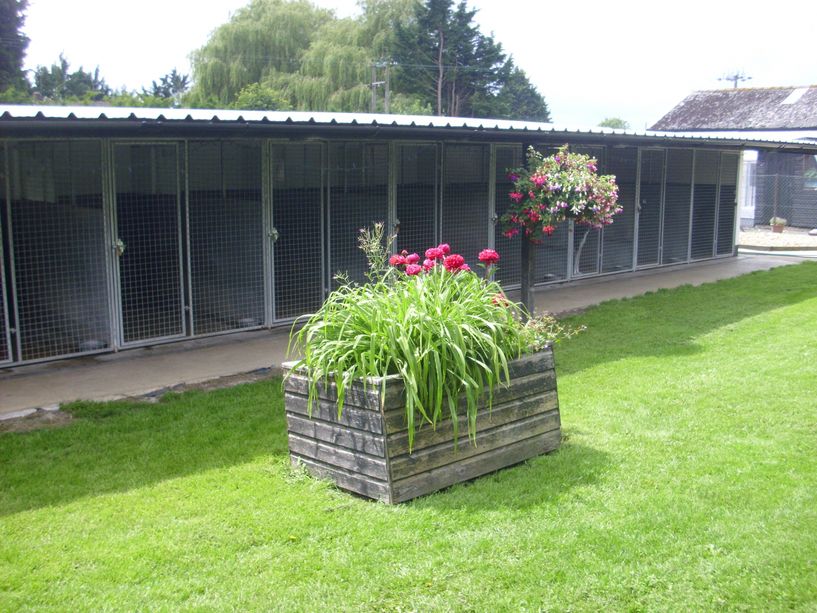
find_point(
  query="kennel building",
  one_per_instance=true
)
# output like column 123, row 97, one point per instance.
column 131, row 227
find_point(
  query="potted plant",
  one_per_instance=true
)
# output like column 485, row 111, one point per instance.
column 777, row 224
column 562, row 187
column 419, row 379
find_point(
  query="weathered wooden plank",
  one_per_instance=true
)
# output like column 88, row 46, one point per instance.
column 424, row 460
column 360, row 484
column 501, row 414
column 529, row 385
column 327, row 410
column 473, row 467
column 531, row 363
column 334, row 434
column 325, row 453
column 357, row 395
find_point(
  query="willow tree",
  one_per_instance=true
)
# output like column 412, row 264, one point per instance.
column 334, row 72
column 263, row 39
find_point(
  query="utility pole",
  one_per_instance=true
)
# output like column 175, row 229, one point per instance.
column 375, row 84
column 735, row 77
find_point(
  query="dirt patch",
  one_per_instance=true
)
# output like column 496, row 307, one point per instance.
column 36, row 420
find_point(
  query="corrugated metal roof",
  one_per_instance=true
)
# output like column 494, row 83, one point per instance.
column 204, row 117
column 749, row 108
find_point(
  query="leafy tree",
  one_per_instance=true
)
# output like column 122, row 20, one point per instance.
column 170, row 87
column 58, row 83
column 132, row 98
column 445, row 59
column 278, row 54
column 13, row 44
column 614, row 122
column 265, row 38
column 518, row 99
column 261, row 98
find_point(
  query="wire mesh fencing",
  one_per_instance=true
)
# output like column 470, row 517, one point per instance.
column 226, row 235
column 57, row 249
column 791, row 197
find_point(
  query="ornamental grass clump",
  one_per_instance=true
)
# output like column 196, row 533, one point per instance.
column 447, row 332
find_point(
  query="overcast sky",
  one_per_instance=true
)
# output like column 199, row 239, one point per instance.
column 590, row 59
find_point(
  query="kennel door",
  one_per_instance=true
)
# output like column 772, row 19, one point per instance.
column 650, row 203
column 297, row 230
column 148, row 242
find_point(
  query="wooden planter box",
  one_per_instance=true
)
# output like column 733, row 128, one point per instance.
column 365, row 450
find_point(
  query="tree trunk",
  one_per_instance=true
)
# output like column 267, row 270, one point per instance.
column 528, row 277
column 577, row 257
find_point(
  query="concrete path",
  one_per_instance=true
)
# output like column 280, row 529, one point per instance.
column 143, row 371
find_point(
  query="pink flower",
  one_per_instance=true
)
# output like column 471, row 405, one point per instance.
column 434, row 253
column 413, row 269
column 397, row 260
column 412, row 258
column 488, row 256
column 428, row 265
column 445, row 248
column 516, row 196
column 510, row 233
column 464, row 268
column 454, row 262
column 538, row 180
column 548, row 230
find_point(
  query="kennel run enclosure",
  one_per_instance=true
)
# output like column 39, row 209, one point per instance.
column 124, row 228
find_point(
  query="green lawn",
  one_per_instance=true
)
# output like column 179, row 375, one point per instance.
column 687, row 481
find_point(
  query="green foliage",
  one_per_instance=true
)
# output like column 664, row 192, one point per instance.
column 13, row 43
column 614, row 122
column 15, row 95
column 544, row 330
column 59, row 84
column 261, row 40
column 261, row 98
column 445, row 60
column 444, row 333
column 517, row 99
column 317, row 62
column 376, row 246
column 134, row 99
column 171, row 86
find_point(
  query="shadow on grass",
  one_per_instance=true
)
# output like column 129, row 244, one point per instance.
column 119, row 446
column 668, row 322
column 543, row 480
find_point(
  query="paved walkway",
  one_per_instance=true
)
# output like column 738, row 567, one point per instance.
column 143, row 371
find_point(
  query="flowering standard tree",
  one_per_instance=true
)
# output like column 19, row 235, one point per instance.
column 550, row 190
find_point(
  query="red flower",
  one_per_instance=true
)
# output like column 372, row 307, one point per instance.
column 488, row 257
column 516, row 196
column 548, row 230
column 434, row 253
column 454, row 262
column 412, row 258
column 445, row 248
column 413, row 269
column 397, row 260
